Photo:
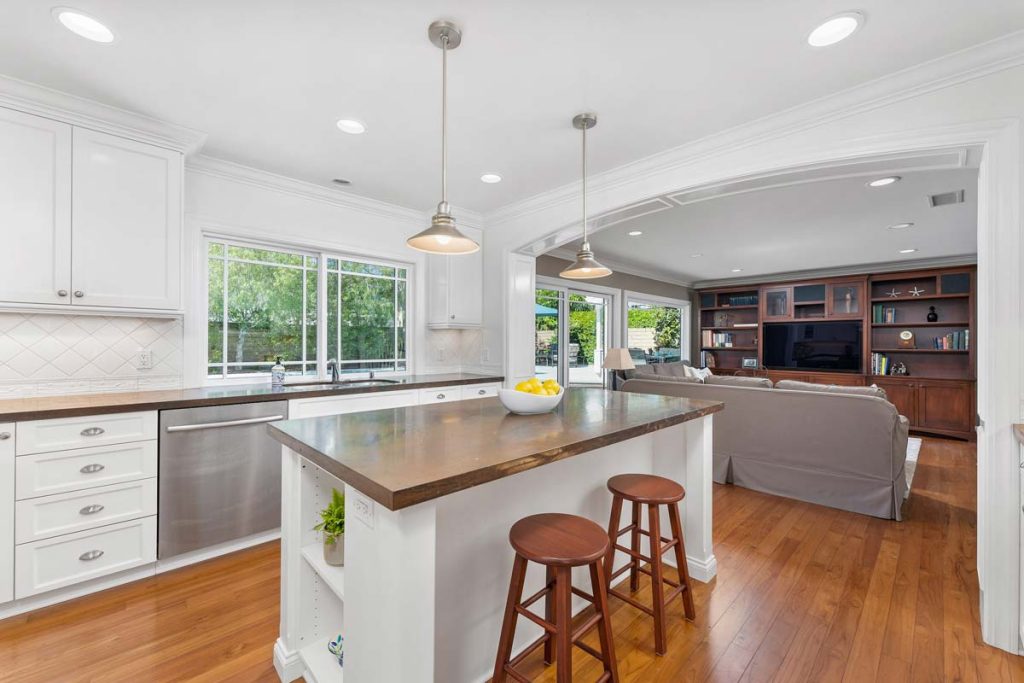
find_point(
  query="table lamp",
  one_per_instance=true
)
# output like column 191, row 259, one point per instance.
column 617, row 359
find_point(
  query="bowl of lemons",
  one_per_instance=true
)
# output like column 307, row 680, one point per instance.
column 532, row 396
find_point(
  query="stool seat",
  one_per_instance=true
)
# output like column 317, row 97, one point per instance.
column 646, row 488
column 559, row 540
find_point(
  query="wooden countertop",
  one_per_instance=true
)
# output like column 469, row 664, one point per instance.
column 45, row 407
column 404, row 456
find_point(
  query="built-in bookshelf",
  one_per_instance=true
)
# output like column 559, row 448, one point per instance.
column 937, row 391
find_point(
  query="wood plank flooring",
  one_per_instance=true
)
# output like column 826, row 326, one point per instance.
column 804, row 593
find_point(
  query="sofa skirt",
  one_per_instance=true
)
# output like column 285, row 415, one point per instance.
column 866, row 496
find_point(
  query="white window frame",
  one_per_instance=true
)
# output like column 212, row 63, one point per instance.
column 612, row 311
column 683, row 305
column 199, row 322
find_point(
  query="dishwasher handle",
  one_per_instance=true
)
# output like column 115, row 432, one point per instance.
column 227, row 423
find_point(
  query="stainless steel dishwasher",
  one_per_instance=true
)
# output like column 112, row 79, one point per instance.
column 220, row 475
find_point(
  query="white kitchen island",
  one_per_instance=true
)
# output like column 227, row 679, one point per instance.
column 431, row 492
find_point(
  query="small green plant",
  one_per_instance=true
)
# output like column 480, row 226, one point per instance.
column 332, row 518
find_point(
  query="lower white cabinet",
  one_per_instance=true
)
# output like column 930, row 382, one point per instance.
column 339, row 405
column 44, row 474
column 39, row 436
column 40, row 518
column 65, row 560
column 479, row 391
column 440, row 395
column 6, row 510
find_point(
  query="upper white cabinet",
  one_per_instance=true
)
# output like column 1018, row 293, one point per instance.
column 88, row 219
column 35, row 209
column 126, row 223
column 455, row 288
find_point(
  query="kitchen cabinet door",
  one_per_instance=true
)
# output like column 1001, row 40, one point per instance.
column 126, row 232
column 6, row 512
column 903, row 395
column 455, row 288
column 35, row 209
column 945, row 406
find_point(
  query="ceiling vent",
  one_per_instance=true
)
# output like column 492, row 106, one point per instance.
column 947, row 198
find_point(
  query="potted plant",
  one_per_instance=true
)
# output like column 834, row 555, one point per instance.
column 332, row 525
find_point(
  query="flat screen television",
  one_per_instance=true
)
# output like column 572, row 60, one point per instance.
column 827, row 346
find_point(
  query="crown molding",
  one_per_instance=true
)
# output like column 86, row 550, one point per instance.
column 569, row 256
column 862, row 269
column 79, row 111
column 971, row 63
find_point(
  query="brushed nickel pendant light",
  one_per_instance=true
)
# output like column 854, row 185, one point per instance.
column 585, row 267
column 442, row 237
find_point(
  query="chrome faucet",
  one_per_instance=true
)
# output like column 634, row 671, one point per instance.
column 332, row 368
column 371, row 374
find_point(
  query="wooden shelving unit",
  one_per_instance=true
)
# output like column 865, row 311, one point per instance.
column 938, row 394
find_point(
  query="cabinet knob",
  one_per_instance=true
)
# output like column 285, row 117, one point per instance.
column 484, row 391
column 62, row 292
column 440, row 397
column 90, row 509
column 79, row 294
column 92, row 431
column 91, row 555
column 4, row 436
column 452, row 316
column 92, row 469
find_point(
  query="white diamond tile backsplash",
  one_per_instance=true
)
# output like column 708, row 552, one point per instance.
column 43, row 354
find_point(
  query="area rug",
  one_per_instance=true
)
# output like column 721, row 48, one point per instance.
column 913, row 449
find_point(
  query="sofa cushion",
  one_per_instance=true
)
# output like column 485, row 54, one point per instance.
column 794, row 385
column 737, row 381
column 671, row 378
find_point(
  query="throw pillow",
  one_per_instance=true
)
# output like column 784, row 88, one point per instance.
column 793, row 385
column 734, row 381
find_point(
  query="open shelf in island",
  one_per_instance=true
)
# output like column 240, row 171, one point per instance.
column 334, row 577
column 321, row 666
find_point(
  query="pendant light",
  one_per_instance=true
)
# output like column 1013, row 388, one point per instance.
column 585, row 267
column 442, row 237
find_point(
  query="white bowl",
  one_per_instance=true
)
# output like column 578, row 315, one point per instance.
column 522, row 403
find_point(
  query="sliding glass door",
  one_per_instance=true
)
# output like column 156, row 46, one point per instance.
column 572, row 335
column 657, row 330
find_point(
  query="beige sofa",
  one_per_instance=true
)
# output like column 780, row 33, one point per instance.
column 836, row 449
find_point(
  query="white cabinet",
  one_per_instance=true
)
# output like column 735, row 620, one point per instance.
column 126, row 218
column 40, row 436
column 471, row 391
column 86, row 218
column 6, row 513
column 35, row 209
column 455, row 288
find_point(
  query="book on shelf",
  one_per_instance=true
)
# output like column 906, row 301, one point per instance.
column 880, row 364
column 710, row 338
column 954, row 341
column 880, row 313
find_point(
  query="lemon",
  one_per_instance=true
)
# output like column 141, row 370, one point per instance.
column 524, row 386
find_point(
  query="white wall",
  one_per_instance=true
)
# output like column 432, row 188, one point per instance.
column 241, row 202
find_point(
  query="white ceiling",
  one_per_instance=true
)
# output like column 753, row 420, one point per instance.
column 267, row 79
column 808, row 225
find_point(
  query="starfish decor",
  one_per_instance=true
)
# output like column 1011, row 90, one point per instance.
column 893, row 294
column 916, row 292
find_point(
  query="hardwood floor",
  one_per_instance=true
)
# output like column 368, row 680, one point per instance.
column 804, row 593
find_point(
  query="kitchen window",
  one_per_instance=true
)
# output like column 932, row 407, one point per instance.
column 263, row 303
column 657, row 329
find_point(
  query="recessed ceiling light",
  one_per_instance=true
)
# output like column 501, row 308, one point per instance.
column 635, row 233
column 83, row 25
column 835, row 29
column 887, row 180
column 900, row 226
column 490, row 178
column 696, row 255
column 342, row 181
column 907, row 251
column 737, row 270
column 351, row 126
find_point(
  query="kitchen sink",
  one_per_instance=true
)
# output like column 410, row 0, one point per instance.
column 346, row 383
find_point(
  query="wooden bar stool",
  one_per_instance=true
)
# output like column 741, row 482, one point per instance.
column 652, row 491
column 559, row 542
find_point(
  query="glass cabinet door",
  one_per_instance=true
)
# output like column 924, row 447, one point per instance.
column 778, row 302
column 846, row 300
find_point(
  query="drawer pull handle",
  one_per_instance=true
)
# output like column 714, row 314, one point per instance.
column 90, row 509
column 440, row 397
column 4, row 436
column 92, row 431
column 93, row 468
column 482, row 392
column 91, row 555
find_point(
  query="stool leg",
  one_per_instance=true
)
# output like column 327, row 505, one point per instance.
column 684, row 570
column 604, row 629
column 657, row 587
column 549, row 615
column 613, row 535
column 508, row 623
column 634, row 544
column 563, row 624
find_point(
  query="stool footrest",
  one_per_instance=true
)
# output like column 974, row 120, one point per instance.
column 647, row 570
column 635, row 603
column 546, row 625
column 538, row 595
column 585, row 627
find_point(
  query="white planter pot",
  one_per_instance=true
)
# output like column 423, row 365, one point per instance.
column 334, row 553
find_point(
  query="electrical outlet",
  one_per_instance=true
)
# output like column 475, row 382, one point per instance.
column 363, row 509
column 441, row 355
column 144, row 359
column 485, row 355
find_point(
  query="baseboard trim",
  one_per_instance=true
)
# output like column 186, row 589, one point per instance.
column 287, row 663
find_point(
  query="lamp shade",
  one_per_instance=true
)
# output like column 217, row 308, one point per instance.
column 585, row 267
column 442, row 237
column 618, row 359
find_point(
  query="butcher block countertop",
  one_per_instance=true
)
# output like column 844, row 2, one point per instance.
column 46, row 407
column 404, row 456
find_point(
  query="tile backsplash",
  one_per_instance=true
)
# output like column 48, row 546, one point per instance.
column 44, row 354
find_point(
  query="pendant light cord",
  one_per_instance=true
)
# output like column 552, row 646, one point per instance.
column 586, row 243
column 444, row 122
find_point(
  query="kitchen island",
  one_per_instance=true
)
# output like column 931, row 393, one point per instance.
column 431, row 492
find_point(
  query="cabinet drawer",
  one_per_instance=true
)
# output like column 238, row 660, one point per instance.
column 440, row 395
column 479, row 391
column 6, row 507
column 340, row 405
column 79, row 432
column 45, row 565
column 43, row 474
column 65, row 513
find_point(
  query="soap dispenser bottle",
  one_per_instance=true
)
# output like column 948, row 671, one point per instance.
column 277, row 374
